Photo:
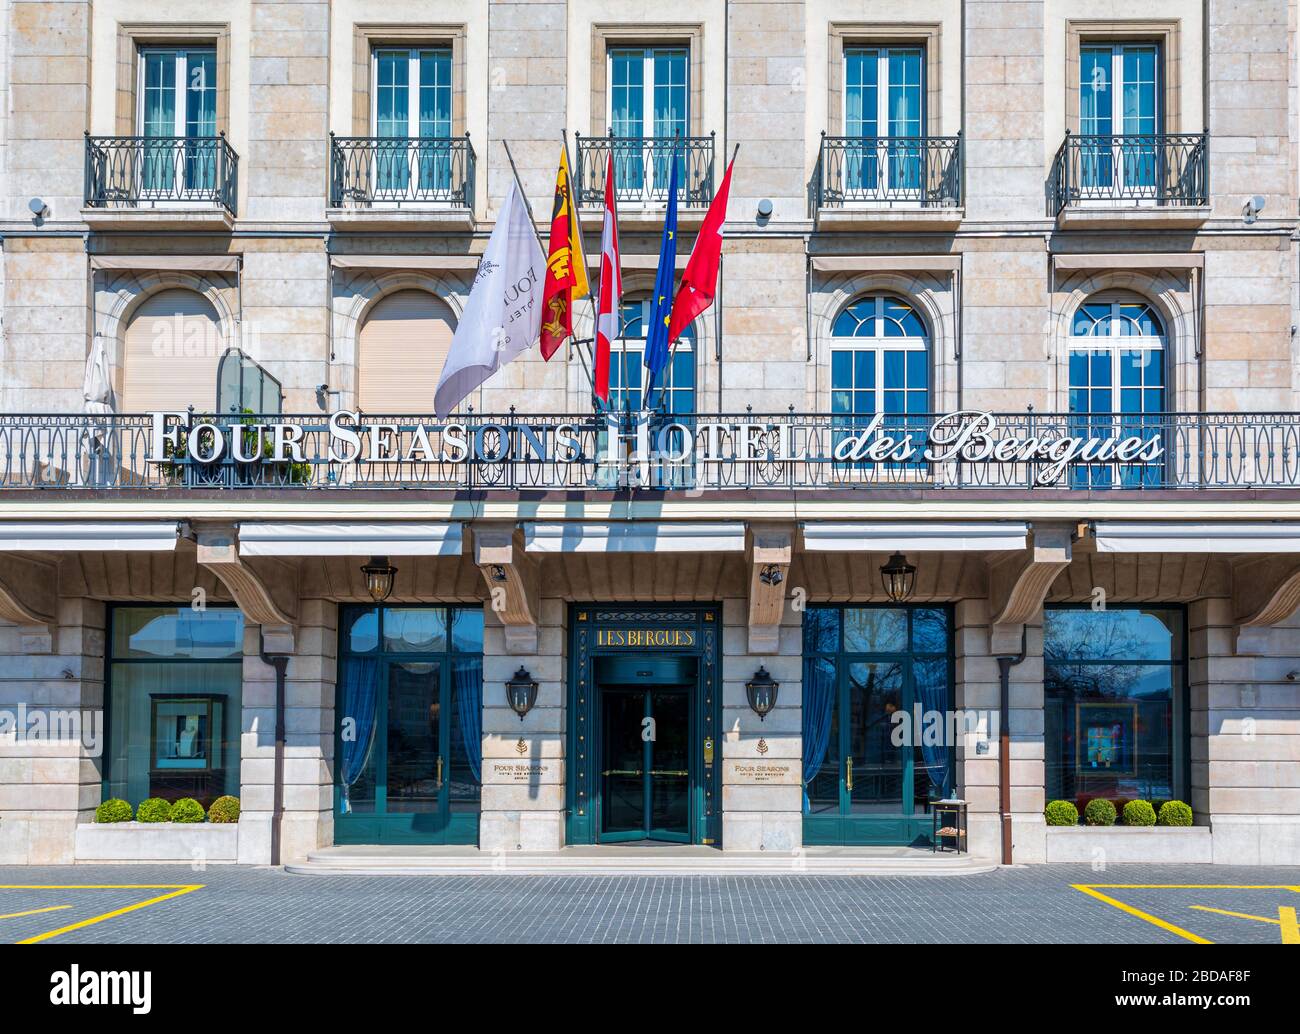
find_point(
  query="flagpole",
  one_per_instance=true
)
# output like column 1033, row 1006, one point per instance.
column 533, row 220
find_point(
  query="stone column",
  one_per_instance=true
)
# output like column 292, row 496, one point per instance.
column 1245, row 738
column 762, row 761
column 49, row 777
column 523, row 789
column 308, row 820
column 978, row 689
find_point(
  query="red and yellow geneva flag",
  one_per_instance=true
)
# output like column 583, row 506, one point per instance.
column 566, row 267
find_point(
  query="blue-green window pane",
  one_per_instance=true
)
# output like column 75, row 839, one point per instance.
column 929, row 630
column 467, row 630
column 415, row 630
column 875, row 630
column 362, row 632
column 177, row 632
column 821, row 630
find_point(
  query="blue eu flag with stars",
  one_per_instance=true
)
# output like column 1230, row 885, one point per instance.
column 661, row 307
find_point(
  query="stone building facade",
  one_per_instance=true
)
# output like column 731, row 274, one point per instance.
column 1040, row 209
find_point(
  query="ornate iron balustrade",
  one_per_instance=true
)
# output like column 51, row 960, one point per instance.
column 1158, row 169
column 641, row 169
column 702, row 452
column 394, row 171
column 148, row 171
column 898, row 171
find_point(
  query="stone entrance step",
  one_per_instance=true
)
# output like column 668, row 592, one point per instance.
column 623, row 860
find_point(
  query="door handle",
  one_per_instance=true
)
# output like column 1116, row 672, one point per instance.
column 669, row 772
column 439, row 771
column 622, row 771
column 848, row 774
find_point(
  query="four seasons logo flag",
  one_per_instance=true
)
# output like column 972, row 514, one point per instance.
column 566, row 267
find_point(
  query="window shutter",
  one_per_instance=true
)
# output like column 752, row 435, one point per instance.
column 173, row 344
column 404, row 344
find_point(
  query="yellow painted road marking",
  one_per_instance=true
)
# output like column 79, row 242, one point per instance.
column 1290, row 926
column 175, row 890
column 34, row 911
column 1235, row 915
column 1155, row 920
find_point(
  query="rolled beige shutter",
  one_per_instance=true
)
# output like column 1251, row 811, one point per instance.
column 404, row 344
column 173, row 344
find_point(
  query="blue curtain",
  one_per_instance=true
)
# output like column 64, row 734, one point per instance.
column 360, row 701
column 818, row 707
column 932, row 692
column 467, row 684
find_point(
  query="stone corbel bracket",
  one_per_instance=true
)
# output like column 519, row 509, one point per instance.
column 513, row 581
column 29, row 597
column 771, row 548
column 267, row 594
column 1018, row 584
column 1265, row 592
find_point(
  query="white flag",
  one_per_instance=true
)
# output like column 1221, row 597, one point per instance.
column 503, row 316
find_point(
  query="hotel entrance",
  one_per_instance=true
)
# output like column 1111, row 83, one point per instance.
column 644, row 710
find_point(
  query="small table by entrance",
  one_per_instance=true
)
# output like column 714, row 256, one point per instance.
column 949, row 825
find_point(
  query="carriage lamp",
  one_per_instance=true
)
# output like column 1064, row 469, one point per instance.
column 379, row 578
column 521, row 692
column 899, row 578
column 762, row 690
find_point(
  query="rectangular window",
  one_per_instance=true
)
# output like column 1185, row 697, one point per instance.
column 884, row 101
column 1115, row 703
column 177, row 114
column 175, row 678
column 1119, row 116
column 411, row 117
column 649, row 109
column 626, row 376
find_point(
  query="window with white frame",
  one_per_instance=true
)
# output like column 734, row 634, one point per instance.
column 411, row 115
column 649, row 109
column 1119, row 116
column 176, row 113
column 884, row 113
column 880, row 364
column 674, row 391
column 1117, row 380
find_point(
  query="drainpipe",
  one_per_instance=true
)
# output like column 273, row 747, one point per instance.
column 279, row 662
column 1005, row 664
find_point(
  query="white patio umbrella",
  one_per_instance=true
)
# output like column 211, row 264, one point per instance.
column 97, row 400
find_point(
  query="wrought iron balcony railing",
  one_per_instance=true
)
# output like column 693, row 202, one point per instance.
column 366, row 171
column 1036, row 452
column 898, row 171
column 642, row 167
column 1157, row 169
column 154, row 171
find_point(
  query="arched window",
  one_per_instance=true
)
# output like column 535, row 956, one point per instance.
column 880, row 359
column 1117, row 366
column 627, row 378
column 401, row 351
column 172, row 346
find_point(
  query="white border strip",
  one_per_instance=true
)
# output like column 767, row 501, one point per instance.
column 109, row 536
column 635, row 537
column 1178, row 537
column 914, row 536
column 397, row 538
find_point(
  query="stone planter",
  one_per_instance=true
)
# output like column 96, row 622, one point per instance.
column 157, row 842
column 1119, row 844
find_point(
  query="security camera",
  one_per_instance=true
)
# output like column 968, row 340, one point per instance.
column 1291, row 676
column 1253, row 206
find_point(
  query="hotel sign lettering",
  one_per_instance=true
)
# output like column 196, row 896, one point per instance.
column 647, row 638
column 635, row 444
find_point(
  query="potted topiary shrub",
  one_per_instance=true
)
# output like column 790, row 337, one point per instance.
column 187, row 809
column 1139, row 813
column 1174, row 813
column 224, row 809
column 113, row 810
column 1100, row 812
column 1061, row 813
column 155, row 809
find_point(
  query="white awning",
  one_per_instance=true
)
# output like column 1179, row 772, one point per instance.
column 395, row 538
column 914, row 536
column 1217, row 537
column 635, row 537
column 106, row 536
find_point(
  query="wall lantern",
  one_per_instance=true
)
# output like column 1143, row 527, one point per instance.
column 899, row 578
column 762, row 689
column 379, row 578
column 521, row 692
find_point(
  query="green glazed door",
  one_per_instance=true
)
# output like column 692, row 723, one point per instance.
column 645, row 778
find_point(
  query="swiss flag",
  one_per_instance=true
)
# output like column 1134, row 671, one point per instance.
column 700, row 280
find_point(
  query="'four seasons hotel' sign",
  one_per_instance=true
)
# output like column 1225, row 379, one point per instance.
column 635, row 442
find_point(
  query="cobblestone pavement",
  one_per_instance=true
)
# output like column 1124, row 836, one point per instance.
column 1025, row 905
